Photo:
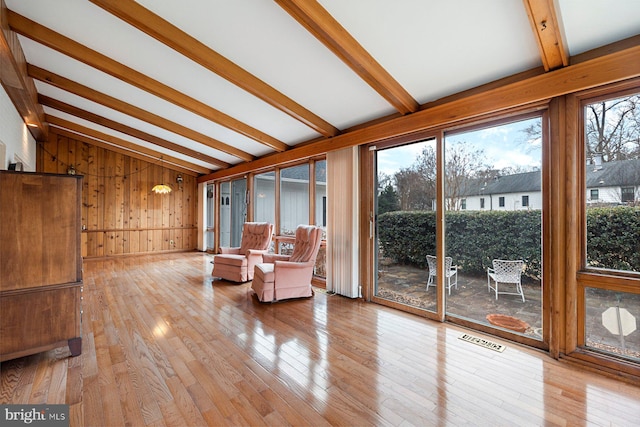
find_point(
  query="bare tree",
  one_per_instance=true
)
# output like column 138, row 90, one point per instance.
column 410, row 187
column 463, row 167
column 612, row 128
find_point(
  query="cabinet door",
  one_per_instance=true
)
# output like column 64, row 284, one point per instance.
column 39, row 230
column 34, row 320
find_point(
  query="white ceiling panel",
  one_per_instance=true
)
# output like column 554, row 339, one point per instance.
column 594, row 23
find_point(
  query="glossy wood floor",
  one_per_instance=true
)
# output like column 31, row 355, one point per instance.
column 163, row 345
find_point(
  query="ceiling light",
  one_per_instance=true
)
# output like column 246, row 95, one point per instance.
column 161, row 188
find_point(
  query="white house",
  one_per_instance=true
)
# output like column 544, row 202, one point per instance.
column 608, row 183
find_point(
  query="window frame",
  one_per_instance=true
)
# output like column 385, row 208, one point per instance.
column 632, row 193
column 573, row 344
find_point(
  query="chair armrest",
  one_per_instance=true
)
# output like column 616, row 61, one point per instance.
column 255, row 256
column 289, row 274
column 253, row 252
column 271, row 258
column 233, row 251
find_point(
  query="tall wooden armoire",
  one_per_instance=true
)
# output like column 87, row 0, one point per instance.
column 40, row 263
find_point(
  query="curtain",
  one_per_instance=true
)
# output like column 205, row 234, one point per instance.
column 342, row 222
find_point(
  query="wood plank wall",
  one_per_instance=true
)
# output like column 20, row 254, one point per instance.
column 120, row 214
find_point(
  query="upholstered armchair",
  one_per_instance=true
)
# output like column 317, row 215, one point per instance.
column 236, row 264
column 281, row 277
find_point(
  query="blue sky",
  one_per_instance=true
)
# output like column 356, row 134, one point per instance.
column 503, row 146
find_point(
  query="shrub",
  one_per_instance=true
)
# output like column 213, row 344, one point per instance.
column 475, row 238
column 613, row 238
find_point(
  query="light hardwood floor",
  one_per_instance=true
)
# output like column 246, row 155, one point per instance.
column 163, row 345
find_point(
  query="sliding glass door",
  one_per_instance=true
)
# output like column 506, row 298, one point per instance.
column 405, row 223
column 493, row 226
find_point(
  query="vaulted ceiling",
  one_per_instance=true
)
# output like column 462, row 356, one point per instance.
column 208, row 84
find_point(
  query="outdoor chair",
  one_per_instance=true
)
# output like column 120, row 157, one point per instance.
column 505, row 272
column 289, row 276
column 450, row 272
column 236, row 264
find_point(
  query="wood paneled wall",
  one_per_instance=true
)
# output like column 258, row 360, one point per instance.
column 120, row 214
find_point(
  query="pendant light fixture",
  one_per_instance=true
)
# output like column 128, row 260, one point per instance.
column 161, row 188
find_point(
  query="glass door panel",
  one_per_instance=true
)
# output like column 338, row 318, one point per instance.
column 238, row 209
column 405, row 223
column 225, row 214
column 493, row 213
column 294, row 198
column 210, row 218
column 264, row 209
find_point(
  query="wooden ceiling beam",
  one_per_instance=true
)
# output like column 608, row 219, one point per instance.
column 128, row 130
column 546, row 29
column 170, row 35
column 316, row 19
column 18, row 85
column 133, row 111
column 73, row 49
column 114, row 143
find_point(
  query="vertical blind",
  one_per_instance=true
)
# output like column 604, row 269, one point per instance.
column 342, row 225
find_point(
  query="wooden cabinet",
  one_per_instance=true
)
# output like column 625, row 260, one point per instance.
column 40, row 263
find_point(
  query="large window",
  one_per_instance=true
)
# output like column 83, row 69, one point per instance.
column 294, row 198
column 264, row 197
column 613, row 164
column 610, row 315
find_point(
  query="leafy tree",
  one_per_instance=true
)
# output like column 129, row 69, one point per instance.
column 388, row 200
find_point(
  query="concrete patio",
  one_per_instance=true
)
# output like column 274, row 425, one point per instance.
column 472, row 300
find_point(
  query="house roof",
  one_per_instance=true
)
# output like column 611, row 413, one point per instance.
column 620, row 173
column 208, row 84
column 526, row 182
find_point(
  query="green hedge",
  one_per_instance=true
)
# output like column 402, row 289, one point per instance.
column 613, row 238
column 475, row 238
